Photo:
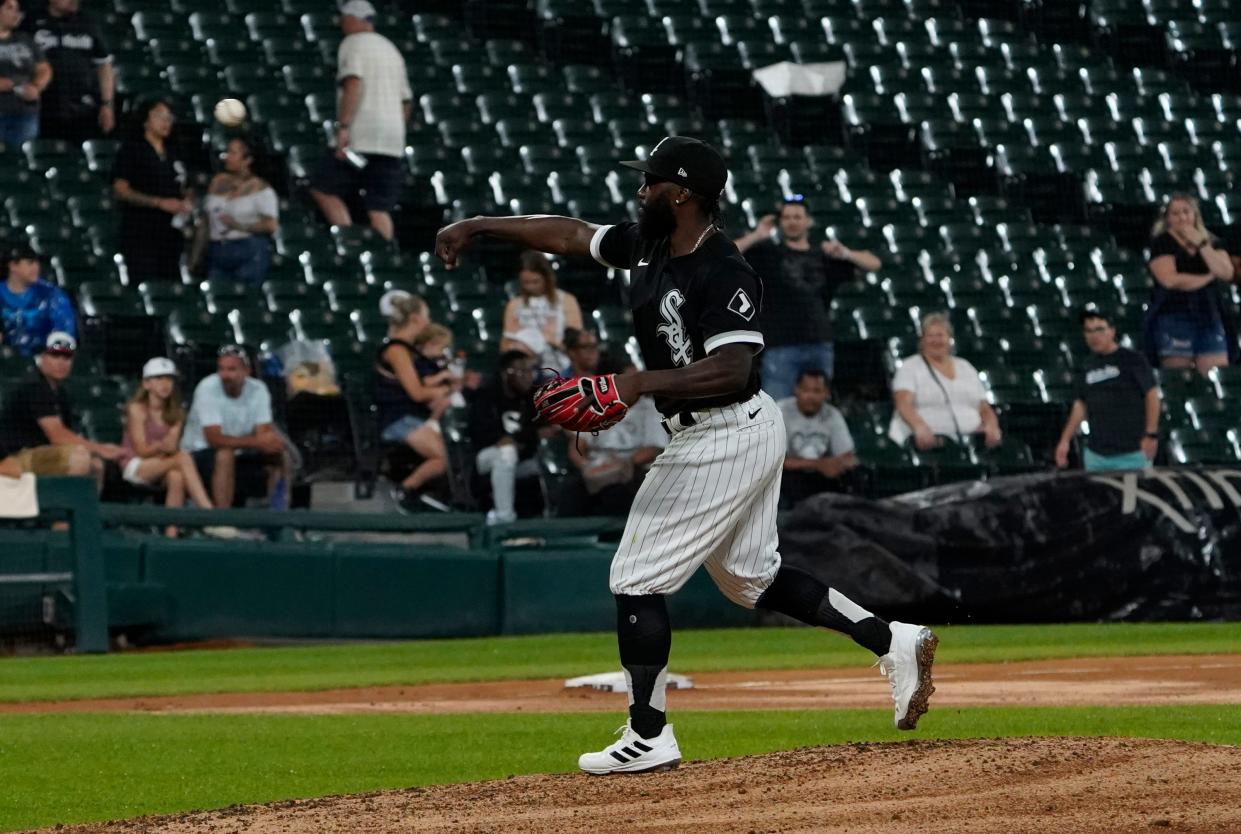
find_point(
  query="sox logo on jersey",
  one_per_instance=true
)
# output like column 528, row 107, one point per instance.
column 673, row 329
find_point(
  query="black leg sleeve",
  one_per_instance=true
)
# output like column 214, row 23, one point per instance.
column 644, row 635
column 801, row 596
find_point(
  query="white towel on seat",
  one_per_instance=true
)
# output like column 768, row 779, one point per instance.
column 18, row 497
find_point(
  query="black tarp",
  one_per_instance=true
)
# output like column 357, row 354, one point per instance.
column 1157, row 545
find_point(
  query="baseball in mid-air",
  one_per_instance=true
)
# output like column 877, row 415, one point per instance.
column 230, row 112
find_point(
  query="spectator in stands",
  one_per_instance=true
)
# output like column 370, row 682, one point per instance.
column 31, row 308
column 1116, row 392
column 373, row 105
column 242, row 212
column 78, row 103
column 501, row 426
column 612, row 464
column 154, row 418
column 434, row 349
column 535, row 321
column 409, row 402
column 24, row 75
column 799, row 281
column 939, row 395
column 820, row 447
column 582, row 347
column 38, row 419
column 155, row 208
column 1185, row 321
column 230, row 435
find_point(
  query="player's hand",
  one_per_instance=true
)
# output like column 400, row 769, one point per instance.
column 1062, row 455
column 454, row 239
column 28, row 92
column 992, row 436
column 1150, row 446
column 766, row 224
column 342, row 141
column 925, row 439
column 6, row 85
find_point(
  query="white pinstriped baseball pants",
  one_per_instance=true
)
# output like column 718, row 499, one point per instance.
column 710, row 498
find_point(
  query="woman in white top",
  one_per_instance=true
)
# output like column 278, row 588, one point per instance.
column 535, row 321
column 242, row 212
column 939, row 395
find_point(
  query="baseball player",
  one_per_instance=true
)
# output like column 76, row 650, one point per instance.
column 710, row 497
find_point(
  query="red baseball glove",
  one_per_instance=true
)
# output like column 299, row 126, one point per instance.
column 587, row 403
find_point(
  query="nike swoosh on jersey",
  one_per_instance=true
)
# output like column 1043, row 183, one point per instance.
column 643, row 263
column 755, row 414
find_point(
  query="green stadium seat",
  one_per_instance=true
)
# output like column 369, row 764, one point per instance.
column 181, row 49
column 312, row 325
column 586, row 79
column 151, row 24
column 889, row 468
column 286, row 295
column 199, row 327
column 262, row 329
column 106, row 297
column 1196, row 446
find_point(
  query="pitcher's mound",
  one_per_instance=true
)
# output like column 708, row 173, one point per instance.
column 1035, row 785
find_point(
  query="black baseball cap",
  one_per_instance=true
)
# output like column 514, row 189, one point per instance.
column 686, row 161
column 22, row 252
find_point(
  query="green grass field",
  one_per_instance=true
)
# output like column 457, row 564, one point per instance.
column 76, row 767
column 561, row 655
column 82, row 767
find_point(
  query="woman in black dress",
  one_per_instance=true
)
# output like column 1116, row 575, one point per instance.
column 154, row 205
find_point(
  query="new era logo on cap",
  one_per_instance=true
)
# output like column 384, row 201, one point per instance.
column 673, row 156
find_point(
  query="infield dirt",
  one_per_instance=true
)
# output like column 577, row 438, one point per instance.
column 987, row 786
column 1015, row 786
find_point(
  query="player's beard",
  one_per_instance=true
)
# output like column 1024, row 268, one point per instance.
column 656, row 219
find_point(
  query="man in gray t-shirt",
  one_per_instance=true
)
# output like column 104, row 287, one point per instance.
column 820, row 448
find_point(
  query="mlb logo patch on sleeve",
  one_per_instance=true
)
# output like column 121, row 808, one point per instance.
column 742, row 305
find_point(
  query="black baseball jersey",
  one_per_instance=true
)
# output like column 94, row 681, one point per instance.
column 687, row 306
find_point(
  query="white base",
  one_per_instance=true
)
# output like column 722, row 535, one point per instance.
column 615, row 682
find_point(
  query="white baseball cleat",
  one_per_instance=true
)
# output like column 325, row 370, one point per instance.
column 907, row 666
column 634, row 754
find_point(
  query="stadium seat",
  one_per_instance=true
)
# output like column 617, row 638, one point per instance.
column 1196, row 446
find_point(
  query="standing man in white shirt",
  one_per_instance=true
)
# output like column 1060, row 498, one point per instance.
column 372, row 108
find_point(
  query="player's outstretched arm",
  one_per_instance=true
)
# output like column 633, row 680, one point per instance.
column 542, row 232
column 724, row 371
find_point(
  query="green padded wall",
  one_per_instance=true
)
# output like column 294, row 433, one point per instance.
column 566, row 589
column 402, row 591
column 243, row 588
column 309, row 590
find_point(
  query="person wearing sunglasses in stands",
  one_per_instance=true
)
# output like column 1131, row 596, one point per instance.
column 229, row 433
